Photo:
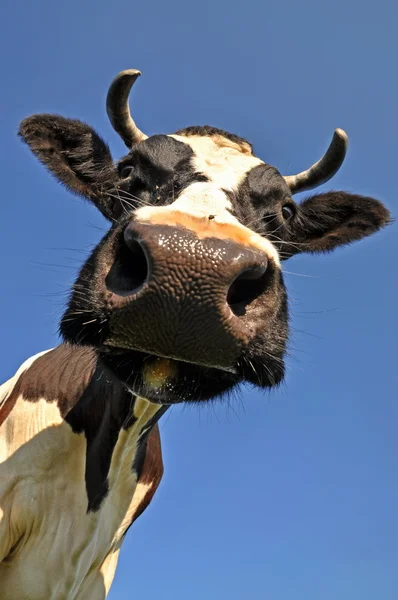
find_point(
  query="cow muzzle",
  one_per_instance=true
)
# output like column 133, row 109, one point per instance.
column 178, row 295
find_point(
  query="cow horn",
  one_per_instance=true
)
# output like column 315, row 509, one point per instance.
column 324, row 169
column 117, row 107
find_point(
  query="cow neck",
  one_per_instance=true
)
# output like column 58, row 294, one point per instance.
column 93, row 402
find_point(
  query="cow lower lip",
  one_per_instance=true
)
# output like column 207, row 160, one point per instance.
column 227, row 369
column 196, row 364
column 165, row 380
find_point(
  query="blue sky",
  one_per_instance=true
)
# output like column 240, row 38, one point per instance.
column 289, row 495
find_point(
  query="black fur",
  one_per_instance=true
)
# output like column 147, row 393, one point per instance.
column 325, row 221
column 161, row 170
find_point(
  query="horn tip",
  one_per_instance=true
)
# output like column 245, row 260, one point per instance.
column 131, row 72
column 341, row 134
column 134, row 73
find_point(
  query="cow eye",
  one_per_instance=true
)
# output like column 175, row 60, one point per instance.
column 287, row 212
column 126, row 171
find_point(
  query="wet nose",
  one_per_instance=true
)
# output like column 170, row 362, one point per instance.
column 183, row 296
column 239, row 271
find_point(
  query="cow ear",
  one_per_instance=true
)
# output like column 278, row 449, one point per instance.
column 326, row 221
column 77, row 156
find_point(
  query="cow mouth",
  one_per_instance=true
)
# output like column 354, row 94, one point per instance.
column 167, row 380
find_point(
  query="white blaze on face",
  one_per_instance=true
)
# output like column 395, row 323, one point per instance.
column 226, row 165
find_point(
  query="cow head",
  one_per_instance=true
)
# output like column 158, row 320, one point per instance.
column 184, row 296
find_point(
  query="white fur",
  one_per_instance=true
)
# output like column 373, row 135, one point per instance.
column 225, row 166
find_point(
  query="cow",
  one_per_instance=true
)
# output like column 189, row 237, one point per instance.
column 182, row 300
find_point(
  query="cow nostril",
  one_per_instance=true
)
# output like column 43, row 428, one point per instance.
column 248, row 286
column 130, row 269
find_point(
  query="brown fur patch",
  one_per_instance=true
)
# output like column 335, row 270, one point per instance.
column 60, row 375
column 221, row 137
column 224, row 142
column 9, row 403
column 152, row 470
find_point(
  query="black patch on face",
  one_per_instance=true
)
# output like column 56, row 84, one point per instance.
column 160, row 169
column 262, row 193
column 92, row 401
column 259, row 201
column 208, row 131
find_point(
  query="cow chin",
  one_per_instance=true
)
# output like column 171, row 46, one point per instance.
column 173, row 379
column 170, row 381
column 166, row 367
column 165, row 380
